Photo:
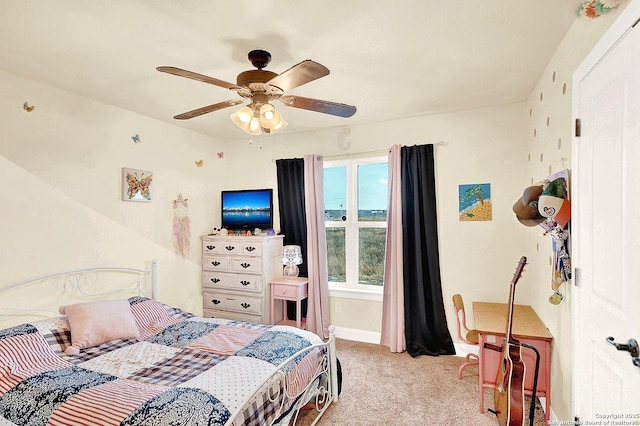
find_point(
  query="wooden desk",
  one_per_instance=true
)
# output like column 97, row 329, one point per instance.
column 491, row 323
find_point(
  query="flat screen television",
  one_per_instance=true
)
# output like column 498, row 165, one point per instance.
column 247, row 209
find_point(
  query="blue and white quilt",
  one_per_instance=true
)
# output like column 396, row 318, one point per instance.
column 184, row 370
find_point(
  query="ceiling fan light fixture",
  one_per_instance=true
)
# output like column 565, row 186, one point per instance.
column 267, row 112
column 245, row 114
column 281, row 125
column 244, row 118
column 254, row 126
column 270, row 118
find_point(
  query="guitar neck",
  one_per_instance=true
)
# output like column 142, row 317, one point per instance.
column 512, row 298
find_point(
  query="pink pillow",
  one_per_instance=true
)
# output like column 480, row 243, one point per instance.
column 95, row 323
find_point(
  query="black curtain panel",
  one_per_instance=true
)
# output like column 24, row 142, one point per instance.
column 426, row 330
column 293, row 222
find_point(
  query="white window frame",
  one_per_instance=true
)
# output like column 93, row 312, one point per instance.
column 351, row 288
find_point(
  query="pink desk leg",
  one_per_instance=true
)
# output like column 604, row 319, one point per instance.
column 481, row 371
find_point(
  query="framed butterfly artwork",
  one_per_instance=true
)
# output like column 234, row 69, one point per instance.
column 137, row 185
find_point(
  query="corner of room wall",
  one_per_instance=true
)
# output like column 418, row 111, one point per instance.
column 549, row 134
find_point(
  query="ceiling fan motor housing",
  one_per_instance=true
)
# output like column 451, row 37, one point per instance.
column 254, row 76
column 259, row 58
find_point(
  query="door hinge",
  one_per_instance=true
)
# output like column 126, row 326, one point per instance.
column 578, row 127
column 576, row 277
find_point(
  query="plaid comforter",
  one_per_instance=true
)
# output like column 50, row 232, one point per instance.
column 184, row 370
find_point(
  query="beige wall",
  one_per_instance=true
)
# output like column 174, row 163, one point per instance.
column 483, row 145
column 60, row 166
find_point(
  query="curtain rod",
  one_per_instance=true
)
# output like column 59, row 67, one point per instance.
column 365, row 154
column 370, row 153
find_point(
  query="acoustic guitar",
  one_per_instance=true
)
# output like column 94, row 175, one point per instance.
column 509, row 393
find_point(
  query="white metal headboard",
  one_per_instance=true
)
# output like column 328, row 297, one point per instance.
column 42, row 296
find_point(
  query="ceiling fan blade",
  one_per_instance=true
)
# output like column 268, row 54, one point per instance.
column 298, row 75
column 206, row 109
column 195, row 76
column 326, row 107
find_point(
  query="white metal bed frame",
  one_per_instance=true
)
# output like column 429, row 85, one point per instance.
column 75, row 286
column 84, row 284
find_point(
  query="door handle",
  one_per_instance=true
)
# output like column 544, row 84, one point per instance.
column 631, row 347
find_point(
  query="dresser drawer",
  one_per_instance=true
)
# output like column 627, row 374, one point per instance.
column 252, row 249
column 288, row 292
column 237, row 316
column 211, row 247
column 246, row 264
column 240, row 247
column 215, row 263
column 232, row 281
column 232, row 302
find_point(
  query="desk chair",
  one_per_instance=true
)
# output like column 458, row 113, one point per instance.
column 471, row 335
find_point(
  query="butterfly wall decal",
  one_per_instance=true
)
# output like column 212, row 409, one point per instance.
column 27, row 108
column 199, row 163
column 136, row 138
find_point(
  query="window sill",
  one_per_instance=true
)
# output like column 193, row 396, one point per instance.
column 356, row 293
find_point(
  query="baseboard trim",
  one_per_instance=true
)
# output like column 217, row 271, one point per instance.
column 462, row 349
column 358, row 335
column 366, row 336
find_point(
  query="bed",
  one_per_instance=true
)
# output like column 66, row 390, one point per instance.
column 95, row 347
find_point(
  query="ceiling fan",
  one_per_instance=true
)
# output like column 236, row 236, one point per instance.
column 261, row 87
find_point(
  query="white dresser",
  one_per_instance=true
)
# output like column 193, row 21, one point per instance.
column 236, row 272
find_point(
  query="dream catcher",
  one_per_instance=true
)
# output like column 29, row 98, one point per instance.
column 181, row 229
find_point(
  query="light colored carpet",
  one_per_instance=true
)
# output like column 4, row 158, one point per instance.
column 384, row 388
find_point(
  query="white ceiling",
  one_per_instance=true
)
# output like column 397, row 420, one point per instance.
column 390, row 59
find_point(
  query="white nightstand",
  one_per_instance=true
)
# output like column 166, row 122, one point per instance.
column 294, row 289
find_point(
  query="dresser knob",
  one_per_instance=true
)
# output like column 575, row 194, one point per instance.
column 284, row 291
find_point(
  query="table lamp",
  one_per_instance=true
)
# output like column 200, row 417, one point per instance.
column 291, row 258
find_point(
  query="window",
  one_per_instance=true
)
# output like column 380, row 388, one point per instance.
column 355, row 198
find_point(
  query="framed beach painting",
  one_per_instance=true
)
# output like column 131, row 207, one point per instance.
column 474, row 202
column 136, row 185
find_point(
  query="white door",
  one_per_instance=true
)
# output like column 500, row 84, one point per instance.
column 605, row 232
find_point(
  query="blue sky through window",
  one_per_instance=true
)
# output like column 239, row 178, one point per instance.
column 372, row 187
